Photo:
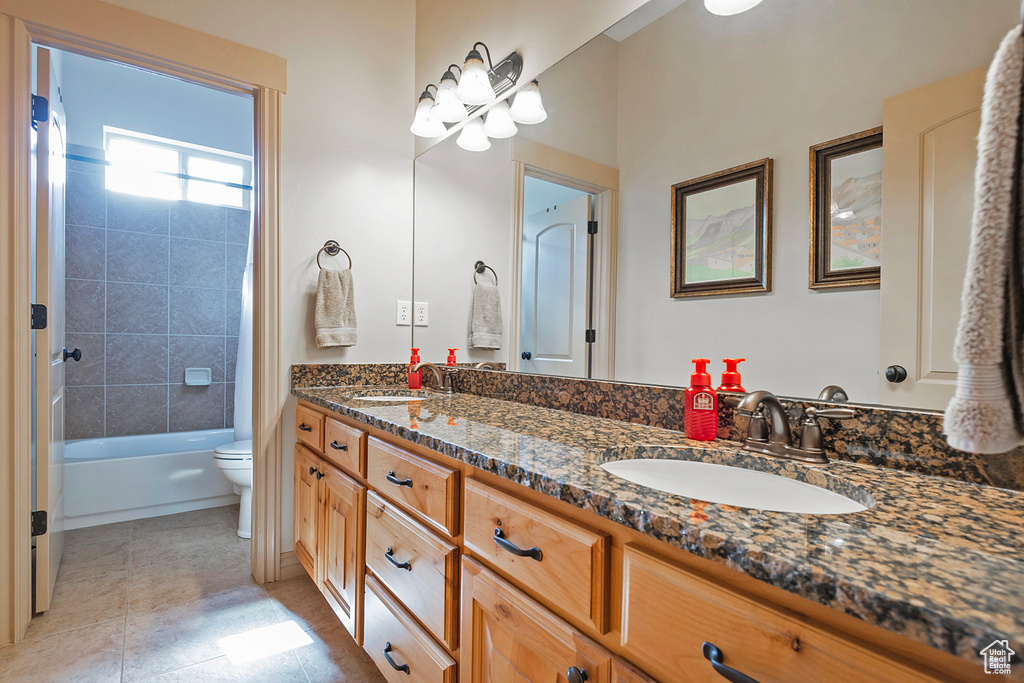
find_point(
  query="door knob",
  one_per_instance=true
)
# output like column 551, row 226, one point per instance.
column 895, row 373
column 526, row 355
column 75, row 355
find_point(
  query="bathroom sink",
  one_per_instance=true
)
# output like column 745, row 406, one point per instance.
column 739, row 486
column 390, row 398
column 392, row 395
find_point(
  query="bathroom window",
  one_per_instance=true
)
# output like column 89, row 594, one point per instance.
column 151, row 166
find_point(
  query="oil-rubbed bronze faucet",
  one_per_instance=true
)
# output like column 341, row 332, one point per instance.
column 489, row 364
column 768, row 432
column 444, row 379
column 835, row 393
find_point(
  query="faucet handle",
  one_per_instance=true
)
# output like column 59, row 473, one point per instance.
column 813, row 413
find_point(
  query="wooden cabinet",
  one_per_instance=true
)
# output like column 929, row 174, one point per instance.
column 345, row 446
column 422, row 486
column 562, row 561
column 307, row 508
column 506, row 636
column 309, row 428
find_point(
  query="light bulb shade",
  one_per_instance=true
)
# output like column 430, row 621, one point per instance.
column 475, row 85
column 448, row 108
column 499, row 124
column 473, row 138
column 424, row 124
column 527, row 107
column 726, row 8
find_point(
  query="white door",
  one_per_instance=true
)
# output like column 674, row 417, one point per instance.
column 49, row 228
column 930, row 151
column 555, row 290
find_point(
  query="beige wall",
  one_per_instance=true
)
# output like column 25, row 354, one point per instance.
column 698, row 94
column 346, row 161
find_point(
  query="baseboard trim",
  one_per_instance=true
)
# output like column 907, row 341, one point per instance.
column 290, row 565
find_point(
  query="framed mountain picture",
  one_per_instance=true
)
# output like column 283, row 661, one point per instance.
column 846, row 211
column 722, row 232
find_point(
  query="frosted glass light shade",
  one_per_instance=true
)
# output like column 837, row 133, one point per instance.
column 499, row 124
column 726, row 8
column 448, row 108
column 527, row 107
column 424, row 124
column 473, row 137
column 475, row 86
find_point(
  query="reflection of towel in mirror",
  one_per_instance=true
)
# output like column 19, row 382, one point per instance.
column 335, row 316
column 485, row 317
column 985, row 415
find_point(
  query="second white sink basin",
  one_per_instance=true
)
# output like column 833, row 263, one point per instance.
column 732, row 486
column 390, row 398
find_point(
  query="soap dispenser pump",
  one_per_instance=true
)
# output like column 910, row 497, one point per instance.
column 415, row 378
column 451, row 357
column 700, row 416
column 731, row 376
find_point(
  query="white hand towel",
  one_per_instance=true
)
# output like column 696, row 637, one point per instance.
column 485, row 317
column 984, row 416
column 335, row 316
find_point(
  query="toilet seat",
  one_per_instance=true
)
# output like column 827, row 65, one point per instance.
column 237, row 454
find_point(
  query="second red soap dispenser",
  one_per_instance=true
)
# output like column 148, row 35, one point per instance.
column 451, row 357
column 731, row 376
column 700, row 418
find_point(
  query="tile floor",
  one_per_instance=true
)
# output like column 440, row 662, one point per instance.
column 159, row 599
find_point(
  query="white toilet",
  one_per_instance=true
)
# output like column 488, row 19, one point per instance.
column 235, row 462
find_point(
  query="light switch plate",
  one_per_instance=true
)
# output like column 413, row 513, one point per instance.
column 420, row 314
column 404, row 313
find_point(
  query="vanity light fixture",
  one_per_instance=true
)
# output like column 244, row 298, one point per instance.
column 448, row 107
column 498, row 123
column 527, row 106
column 425, row 124
column 475, row 84
column 473, row 138
column 727, row 8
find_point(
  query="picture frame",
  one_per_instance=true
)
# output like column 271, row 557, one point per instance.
column 722, row 232
column 846, row 211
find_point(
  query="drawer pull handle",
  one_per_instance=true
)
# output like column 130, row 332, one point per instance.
column 304, row 428
column 390, row 554
column 398, row 482
column 499, row 538
column 714, row 655
column 576, row 675
column 396, row 667
column 342, row 447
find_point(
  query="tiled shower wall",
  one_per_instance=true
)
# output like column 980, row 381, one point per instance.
column 153, row 287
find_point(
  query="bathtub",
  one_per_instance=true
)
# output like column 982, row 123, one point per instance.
column 130, row 477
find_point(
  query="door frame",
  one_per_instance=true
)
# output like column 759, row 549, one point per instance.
column 548, row 163
column 97, row 29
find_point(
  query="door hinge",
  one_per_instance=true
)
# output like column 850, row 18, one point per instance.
column 38, row 522
column 40, row 110
column 38, row 317
column 591, row 336
column 591, row 227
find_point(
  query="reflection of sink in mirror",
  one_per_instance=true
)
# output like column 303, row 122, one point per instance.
column 729, row 485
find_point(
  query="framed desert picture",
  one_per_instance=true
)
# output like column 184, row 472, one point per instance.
column 722, row 232
column 846, row 211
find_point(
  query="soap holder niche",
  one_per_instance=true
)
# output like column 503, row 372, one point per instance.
column 198, row 377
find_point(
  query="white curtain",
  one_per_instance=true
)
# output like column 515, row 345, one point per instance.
column 243, row 368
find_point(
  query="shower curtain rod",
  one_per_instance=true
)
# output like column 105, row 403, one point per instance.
column 183, row 176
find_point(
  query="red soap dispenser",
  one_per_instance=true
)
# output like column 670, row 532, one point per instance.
column 731, row 376
column 451, row 357
column 700, row 419
column 415, row 378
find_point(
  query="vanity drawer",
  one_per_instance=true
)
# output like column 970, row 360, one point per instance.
column 570, row 564
column 416, row 483
column 345, row 446
column 389, row 631
column 762, row 642
column 419, row 568
column 309, row 428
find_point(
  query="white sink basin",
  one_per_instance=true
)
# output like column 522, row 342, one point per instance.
column 390, row 398
column 732, row 486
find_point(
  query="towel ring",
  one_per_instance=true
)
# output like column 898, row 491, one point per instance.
column 333, row 249
column 480, row 267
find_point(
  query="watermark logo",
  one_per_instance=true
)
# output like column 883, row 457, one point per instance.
column 997, row 657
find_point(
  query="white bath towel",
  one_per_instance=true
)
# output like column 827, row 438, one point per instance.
column 985, row 414
column 485, row 317
column 335, row 316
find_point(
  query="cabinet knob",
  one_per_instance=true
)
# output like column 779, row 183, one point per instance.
column 895, row 373
column 576, row 675
column 75, row 355
column 312, row 470
column 526, row 355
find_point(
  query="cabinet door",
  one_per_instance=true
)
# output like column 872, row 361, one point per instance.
column 307, row 506
column 341, row 547
column 506, row 636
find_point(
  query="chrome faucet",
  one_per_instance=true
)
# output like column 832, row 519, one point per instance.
column 768, row 432
column 444, row 379
column 833, row 392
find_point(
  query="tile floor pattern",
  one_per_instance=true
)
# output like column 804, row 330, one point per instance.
column 150, row 600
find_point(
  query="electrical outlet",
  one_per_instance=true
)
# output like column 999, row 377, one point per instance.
column 404, row 313
column 420, row 314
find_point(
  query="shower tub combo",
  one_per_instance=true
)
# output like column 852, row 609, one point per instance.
column 120, row 478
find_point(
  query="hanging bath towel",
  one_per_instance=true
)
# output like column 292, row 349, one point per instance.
column 485, row 317
column 985, row 415
column 335, row 316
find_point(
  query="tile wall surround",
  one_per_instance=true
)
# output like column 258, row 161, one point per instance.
column 894, row 438
column 152, row 287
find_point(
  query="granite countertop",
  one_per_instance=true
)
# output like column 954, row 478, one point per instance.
column 934, row 559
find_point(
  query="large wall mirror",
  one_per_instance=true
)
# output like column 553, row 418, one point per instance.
column 674, row 94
